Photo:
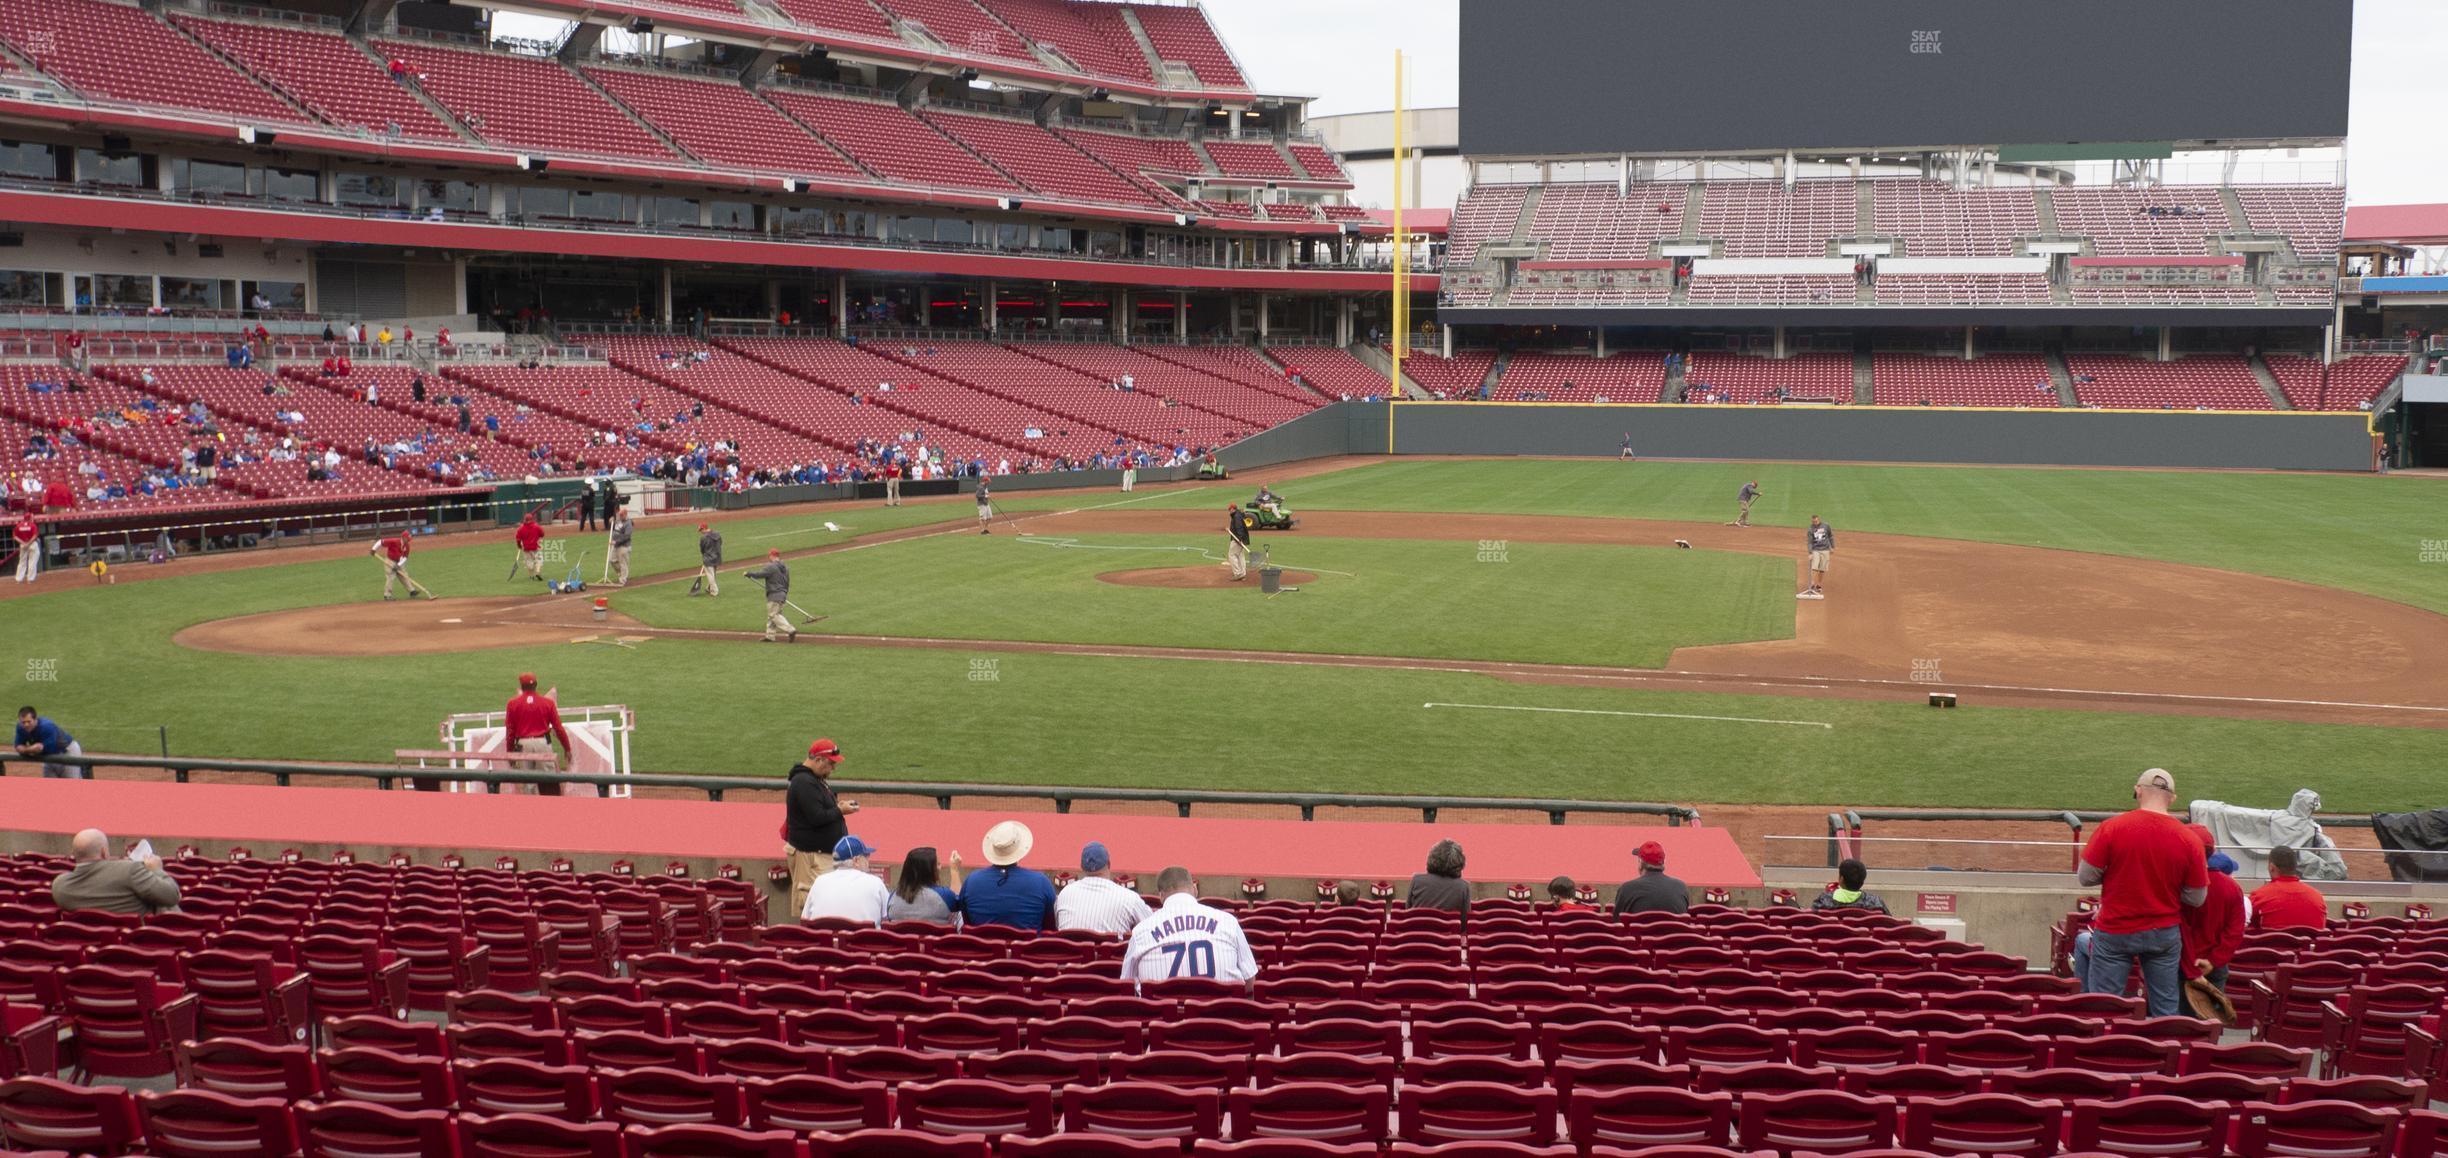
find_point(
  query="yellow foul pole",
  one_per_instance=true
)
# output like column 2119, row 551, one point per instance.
column 1402, row 243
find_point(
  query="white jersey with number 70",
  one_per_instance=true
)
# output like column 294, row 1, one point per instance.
column 1187, row 939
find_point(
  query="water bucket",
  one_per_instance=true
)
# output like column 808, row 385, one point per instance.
column 603, row 609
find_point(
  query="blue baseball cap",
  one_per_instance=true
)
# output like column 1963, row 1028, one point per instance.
column 1094, row 858
column 851, row 846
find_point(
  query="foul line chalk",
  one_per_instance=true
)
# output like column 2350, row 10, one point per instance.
column 1644, row 715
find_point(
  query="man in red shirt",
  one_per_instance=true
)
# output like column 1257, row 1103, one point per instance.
column 532, row 722
column 2214, row 931
column 57, row 496
column 2286, row 902
column 530, row 538
column 2149, row 870
column 29, row 548
column 393, row 551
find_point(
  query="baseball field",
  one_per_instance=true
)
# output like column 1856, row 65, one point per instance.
column 1478, row 628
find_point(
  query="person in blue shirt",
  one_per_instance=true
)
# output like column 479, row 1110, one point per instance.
column 40, row 736
column 1006, row 893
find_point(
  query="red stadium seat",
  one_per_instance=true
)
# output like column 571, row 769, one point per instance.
column 2329, row 1129
column 806, row 1103
column 351, row 977
column 360, row 1130
column 1033, row 1067
column 203, row 1124
column 1637, row 1116
column 2155, row 1126
column 246, row 995
column 240, row 1068
column 962, row 1106
column 484, row 1042
column 621, row 1049
column 1998, row 1124
column 1311, row 1111
column 43, row 1113
column 1824, row 1121
column 1477, row 1111
column 525, row 1089
column 126, row 1024
column 528, row 1135
column 1143, row 1110
column 382, row 1078
column 759, row 1058
column 894, row 1067
column 657, row 1096
column 896, row 1144
column 708, row 1142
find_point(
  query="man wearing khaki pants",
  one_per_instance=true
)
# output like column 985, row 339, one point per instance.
column 1236, row 541
column 813, row 819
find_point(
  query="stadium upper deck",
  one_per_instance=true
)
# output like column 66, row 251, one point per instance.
column 1113, row 116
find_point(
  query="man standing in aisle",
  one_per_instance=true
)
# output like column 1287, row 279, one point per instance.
column 2148, row 870
column 709, row 561
column 814, row 819
column 1821, row 539
column 1236, row 541
column 618, row 563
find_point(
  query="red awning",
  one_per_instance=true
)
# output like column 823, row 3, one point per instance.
column 2402, row 224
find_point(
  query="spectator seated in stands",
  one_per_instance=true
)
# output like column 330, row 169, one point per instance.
column 1007, row 893
column 1560, row 892
column 1652, row 891
column 1096, row 903
column 1347, row 893
column 1442, row 886
column 112, row 885
column 2286, row 902
column 848, row 890
column 920, row 895
column 1187, row 939
column 2214, row 929
column 1847, row 892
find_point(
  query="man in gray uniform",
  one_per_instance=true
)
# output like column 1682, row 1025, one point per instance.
column 776, row 575
column 1750, row 491
column 618, row 564
column 709, row 559
column 1822, row 541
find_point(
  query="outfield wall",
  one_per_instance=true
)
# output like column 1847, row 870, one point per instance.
column 2114, row 438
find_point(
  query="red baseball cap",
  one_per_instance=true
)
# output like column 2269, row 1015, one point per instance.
column 2202, row 833
column 773, row 552
column 825, row 750
column 1651, row 853
column 527, row 680
column 701, row 526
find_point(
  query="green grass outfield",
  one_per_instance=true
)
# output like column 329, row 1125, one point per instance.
column 2356, row 532
column 736, row 708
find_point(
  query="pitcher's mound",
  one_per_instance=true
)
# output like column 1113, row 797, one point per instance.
column 1209, row 577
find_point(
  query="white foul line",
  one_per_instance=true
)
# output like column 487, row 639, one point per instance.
column 1646, row 715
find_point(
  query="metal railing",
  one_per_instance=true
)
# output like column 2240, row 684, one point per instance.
column 283, row 772
column 1845, row 829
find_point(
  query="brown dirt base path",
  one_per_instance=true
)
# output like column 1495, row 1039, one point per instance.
column 2003, row 625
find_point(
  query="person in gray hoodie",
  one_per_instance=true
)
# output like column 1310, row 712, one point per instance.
column 776, row 576
column 709, row 560
column 618, row 564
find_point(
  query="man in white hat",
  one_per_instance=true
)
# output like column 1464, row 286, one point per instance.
column 1005, row 893
column 2148, row 870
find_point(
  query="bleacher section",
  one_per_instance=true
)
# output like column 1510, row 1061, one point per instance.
column 1160, row 374
column 2353, row 381
column 1627, row 377
column 803, row 386
column 1317, row 162
column 1090, row 35
column 1933, row 219
column 1765, row 219
column 1582, row 222
column 627, row 1015
column 1250, row 160
column 1144, row 418
column 1993, row 289
column 723, row 123
column 1456, row 377
column 1740, row 378
column 2165, row 221
column 524, row 102
column 962, row 26
column 118, row 52
column 2311, row 216
column 856, row 16
column 1183, row 35
column 1935, row 380
column 890, row 140
column 324, row 71
column 1486, row 213
column 2198, row 382
column 1039, row 158
column 1334, row 371
column 1749, row 289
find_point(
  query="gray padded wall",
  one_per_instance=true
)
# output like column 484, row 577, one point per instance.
column 2275, row 441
